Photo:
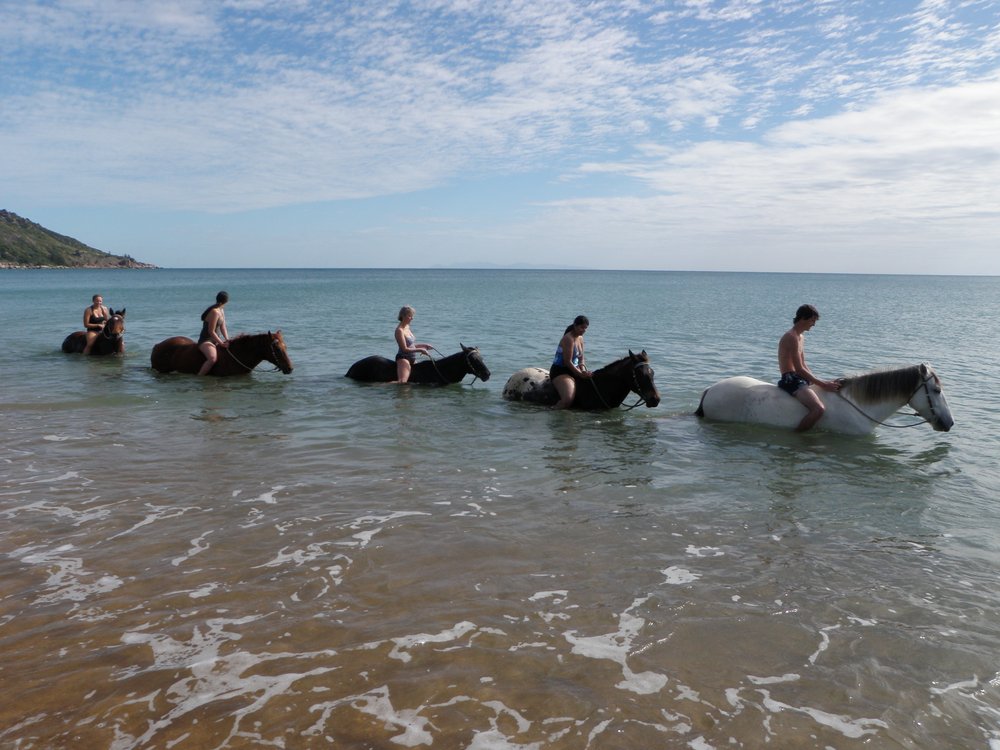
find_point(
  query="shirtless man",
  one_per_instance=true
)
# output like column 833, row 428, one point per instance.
column 795, row 376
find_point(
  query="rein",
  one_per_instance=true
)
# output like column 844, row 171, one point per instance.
column 468, row 365
column 635, row 382
column 869, row 417
column 236, row 359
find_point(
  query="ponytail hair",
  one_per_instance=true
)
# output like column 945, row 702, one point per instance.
column 579, row 320
column 220, row 299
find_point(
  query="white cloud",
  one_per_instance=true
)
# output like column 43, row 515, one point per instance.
column 700, row 121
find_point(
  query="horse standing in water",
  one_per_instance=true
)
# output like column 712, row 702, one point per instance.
column 862, row 402
column 444, row 371
column 110, row 339
column 606, row 390
column 243, row 354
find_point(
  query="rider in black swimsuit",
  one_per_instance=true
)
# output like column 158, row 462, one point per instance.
column 95, row 316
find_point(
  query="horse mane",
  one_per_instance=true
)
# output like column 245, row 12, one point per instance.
column 619, row 362
column 245, row 336
column 880, row 385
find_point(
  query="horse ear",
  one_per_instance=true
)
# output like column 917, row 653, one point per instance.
column 121, row 312
column 464, row 347
column 630, row 354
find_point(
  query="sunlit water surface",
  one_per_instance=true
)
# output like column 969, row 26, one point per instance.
column 303, row 561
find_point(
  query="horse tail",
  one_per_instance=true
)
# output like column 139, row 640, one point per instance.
column 700, row 411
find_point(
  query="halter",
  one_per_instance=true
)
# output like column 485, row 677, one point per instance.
column 274, row 355
column 930, row 405
column 468, row 364
column 111, row 336
column 634, row 389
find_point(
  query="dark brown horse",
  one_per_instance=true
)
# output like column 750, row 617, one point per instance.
column 606, row 390
column 243, row 354
column 444, row 371
column 110, row 339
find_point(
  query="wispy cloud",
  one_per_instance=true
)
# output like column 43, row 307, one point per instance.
column 721, row 116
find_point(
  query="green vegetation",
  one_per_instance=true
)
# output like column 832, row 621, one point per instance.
column 26, row 244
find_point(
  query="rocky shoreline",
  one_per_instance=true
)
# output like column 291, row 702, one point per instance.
column 125, row 264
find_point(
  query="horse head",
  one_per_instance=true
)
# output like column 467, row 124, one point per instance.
column 475, row 363
column 642, row 379
column 929, row 402
column 114, row 328
column 278, row 355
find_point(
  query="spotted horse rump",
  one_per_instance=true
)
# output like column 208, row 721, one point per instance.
column 531, row 384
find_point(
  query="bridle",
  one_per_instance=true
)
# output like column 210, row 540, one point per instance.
column 274, row 356
column 930, row 405
column 636, row 388
column 468, row 365
column 112, row 336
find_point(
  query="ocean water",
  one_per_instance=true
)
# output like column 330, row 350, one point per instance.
column 303, row 561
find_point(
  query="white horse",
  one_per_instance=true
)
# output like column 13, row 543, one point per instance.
column 861, row 403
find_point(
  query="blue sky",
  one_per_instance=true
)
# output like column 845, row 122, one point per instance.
column 778, row 135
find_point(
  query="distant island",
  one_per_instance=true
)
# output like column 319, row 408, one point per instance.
column 25, row 244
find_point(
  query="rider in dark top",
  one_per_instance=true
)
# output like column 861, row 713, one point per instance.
column 95, row 316
column 213, row 332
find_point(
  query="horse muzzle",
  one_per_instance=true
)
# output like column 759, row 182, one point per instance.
column 943, row 425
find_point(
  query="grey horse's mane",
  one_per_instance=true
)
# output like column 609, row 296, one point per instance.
column 882, row 385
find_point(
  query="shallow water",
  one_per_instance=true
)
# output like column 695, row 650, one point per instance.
column 303, row 561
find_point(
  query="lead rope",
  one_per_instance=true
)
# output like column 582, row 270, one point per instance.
column 886, row 424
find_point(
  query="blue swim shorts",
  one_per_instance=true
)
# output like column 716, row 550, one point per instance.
column 790, row 382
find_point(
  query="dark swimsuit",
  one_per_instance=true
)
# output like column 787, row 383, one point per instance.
column 95, row 319
column 790, row 382
column 206, row 335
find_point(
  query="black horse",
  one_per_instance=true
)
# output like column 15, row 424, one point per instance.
column 606, row 390
column 110, row 339
column 444, row 371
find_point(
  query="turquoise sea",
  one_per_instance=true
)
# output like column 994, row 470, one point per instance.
column 301, row 561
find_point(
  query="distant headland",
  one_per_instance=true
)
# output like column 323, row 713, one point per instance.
column 25, row 244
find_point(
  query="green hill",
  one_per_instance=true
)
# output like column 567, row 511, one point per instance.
column 25, row 244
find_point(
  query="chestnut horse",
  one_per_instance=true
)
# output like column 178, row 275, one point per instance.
column 110, row 339
column 606, row 390
column 444, row 371
column 243, row 354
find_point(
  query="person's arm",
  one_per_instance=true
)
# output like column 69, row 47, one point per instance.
column 803, row 371
column 212, row 321
column 567, row 344
column 225, row 331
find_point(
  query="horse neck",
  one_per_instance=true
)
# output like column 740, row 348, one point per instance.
column 452, row 368
column 251, row 350
column 614, row 381
column 882, row 393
